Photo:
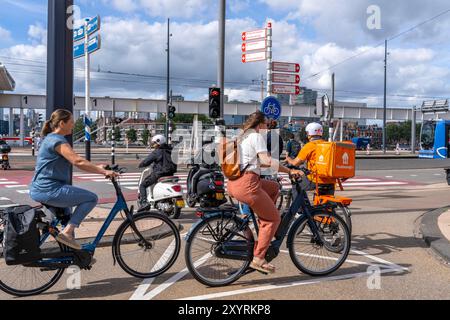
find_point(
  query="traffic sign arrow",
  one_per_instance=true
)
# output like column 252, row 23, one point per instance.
column 253, row 57
column 286, row 78
column 254, row 35
column 286, row 67
column 253, row 46
column 283, row 89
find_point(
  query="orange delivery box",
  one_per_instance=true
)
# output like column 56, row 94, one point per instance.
column 336, row 160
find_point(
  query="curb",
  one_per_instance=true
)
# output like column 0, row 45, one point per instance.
column 432, row 234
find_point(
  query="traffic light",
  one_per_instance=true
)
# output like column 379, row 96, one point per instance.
column 172, row 112
column 40, row 118
column 214, row 103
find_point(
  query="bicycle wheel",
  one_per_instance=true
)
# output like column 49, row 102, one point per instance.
column 147, row 261
column 208, row 240
column 345, row 213
column 24, row 281
column 323, row 253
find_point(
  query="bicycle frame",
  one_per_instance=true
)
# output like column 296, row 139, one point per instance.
column 68, row 257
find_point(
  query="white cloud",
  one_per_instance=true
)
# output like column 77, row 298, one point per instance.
column 137, row 46
column 5, row 34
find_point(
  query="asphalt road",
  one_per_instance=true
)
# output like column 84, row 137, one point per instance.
column 385, row 241
column 387, row 207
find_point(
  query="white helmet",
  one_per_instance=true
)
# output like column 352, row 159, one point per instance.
column 159, row 140
column 314, row 129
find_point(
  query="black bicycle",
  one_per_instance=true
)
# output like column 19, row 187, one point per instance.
column 146, row 245
column 219, row 248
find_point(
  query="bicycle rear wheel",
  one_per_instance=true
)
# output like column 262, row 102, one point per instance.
column 323, row 253
column 208, row 240
column 21, row 281
column 147, row 260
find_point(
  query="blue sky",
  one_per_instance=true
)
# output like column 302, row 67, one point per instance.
column 319, row 34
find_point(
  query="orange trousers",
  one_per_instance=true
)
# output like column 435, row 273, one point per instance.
column 261, row 196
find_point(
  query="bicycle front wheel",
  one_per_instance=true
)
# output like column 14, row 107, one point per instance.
column 323, row 252
column 151, row 259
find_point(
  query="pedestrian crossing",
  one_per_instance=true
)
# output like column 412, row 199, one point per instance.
column 130, row 181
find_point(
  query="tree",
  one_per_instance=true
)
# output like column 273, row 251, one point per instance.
column 132, row 135
column 117, row 134
column 79, row 126
column 145, row 137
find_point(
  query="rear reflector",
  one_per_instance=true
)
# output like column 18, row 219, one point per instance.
column 176, row 188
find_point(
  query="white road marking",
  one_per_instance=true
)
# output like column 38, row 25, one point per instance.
column 142, row 289
column 389, row 176
column 132, row 188
column 8, row 205
column 180, row 275
column 8, row 182
column 289, row 285
column 374, row 184
column 390, row 264
column 4, row 199
column 23, row 191
column 330, row 258
column 17, row 186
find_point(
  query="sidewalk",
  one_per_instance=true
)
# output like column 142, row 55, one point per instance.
column 435, row 229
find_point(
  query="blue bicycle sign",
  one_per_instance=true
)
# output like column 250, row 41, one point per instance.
column 271, row 108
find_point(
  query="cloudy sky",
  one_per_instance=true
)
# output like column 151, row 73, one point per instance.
column 323, row 36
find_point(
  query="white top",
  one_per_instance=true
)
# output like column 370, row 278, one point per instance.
column 249, row 147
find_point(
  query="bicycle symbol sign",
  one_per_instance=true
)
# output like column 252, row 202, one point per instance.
column 271, row 108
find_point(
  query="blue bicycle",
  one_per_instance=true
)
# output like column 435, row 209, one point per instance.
column 145, row 246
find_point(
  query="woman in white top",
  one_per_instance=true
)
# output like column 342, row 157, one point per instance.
column 260, row 195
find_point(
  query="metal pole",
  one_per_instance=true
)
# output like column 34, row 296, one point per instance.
column 113, row 135
column 262, row 88
column 269, row 59
column 413, row 131
column 385, row 97
column 169, row 140
column 33, row 134
column 22, row 128
column 168, row 80
column 342, row 130
column 11, row 122
column 87, row 117
column 221, row 62
column 331, row 123
column 219, row 128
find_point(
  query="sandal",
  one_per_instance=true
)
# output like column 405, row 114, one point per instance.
column 71, row 243
column 263, row 266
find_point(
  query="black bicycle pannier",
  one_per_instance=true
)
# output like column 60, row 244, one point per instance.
column 21, row 235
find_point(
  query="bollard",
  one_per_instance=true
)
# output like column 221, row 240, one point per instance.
column 368, row 149
column 33, row 139
column 397, row 149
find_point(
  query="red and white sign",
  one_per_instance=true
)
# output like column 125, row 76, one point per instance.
column 252, row 46
column 283, row 89
column 254, row 35
column 286, row 67
column 286, row 78
column 253, row 57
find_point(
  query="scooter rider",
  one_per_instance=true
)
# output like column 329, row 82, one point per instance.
column 163, row 166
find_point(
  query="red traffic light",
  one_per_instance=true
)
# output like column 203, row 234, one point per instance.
column 215, row 93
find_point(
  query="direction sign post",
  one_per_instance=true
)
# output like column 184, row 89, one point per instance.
column 286, row 78
column 285, row 89
column 89, row 46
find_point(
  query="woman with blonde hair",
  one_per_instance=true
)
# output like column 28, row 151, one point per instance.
column 51, row 182
column 259, row 194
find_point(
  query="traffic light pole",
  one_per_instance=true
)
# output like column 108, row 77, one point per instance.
column 113, row 135
column 219, row 128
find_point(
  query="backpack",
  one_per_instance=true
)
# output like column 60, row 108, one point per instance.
column 21, row 235
column 229, row 159
column 169, row 167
